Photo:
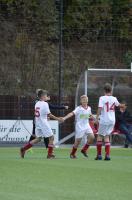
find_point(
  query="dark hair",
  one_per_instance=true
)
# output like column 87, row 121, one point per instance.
column 107, row 88
column 42, row 93
column 124, row 102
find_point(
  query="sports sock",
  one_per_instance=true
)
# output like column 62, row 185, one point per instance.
column 85, row 148
column 99, row 147
column 107, row 148
column 50, row 149
column 73, row 150
column 27, row 146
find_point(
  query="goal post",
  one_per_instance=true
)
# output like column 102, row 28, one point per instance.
column 91, row 83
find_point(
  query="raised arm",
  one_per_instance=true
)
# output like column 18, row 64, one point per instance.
column 55, row 107
column 69, row 115
column 54, row 117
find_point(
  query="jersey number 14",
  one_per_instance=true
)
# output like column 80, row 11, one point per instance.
column 110, row 108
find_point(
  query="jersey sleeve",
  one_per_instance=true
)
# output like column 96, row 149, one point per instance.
column 75, row 111
column 100, row 105
column 47, row 108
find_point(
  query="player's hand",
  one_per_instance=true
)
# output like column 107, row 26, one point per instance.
column 91, row 117
column 66, row 107
column 48, row 118
column 60, row 119
column 96, row 121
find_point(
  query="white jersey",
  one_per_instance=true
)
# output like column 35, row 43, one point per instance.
column 82, row 117
column 107, row 104
column 41, row 121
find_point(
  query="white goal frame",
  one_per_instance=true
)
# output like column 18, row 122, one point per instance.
column 96, row 69
column 107, row 70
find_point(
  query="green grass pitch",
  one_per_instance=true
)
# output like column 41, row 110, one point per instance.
column 36, row 178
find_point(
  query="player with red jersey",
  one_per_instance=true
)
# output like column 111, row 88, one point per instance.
column 106, row 119
column 42, row 127
column 82, row 128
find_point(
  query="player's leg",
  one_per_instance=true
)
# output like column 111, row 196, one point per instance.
column 90, row 138
column 46, row 142
column 108, row 131
column 28, row 146
column 32, row 137
column 51, row 147
column 78, row 137
column 85, row 148
column 107, row 147
column 48, row 133
column 74, row 148
column 99, row 147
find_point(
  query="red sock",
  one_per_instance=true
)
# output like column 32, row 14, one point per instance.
column 73, row 150
column 85, row 148
column 99, row 147
column 50, row 149
column 107, row 148
column 27, row 146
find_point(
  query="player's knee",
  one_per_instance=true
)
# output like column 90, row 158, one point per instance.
column 38, row 139
column 91, row 138
column 99, row 138
column 107, row 139
column 77, row 142
column 51, row 138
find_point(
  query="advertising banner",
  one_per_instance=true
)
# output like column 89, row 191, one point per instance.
column 21, row 130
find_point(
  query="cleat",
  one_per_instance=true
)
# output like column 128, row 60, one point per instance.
column 84, row 153
column 72, row 156
column 107, row 158
column 22, row 153
column 50, row 156
column 99, row 157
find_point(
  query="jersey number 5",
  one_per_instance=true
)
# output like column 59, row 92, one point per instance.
column 110, row 108
column 37, row 113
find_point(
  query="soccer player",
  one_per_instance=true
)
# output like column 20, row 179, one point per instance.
column 106, row 119
column 82, row 114
column 51, row 106
column 42, row 127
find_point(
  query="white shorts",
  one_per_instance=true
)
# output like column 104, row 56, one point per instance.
column 81, row 133
column 43, row 130
column 105, row 129
column 40, row 133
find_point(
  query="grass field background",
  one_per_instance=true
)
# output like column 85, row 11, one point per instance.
column 36, row 178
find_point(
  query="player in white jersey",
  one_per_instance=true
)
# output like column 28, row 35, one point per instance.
column 43, row 128
column 82, row 114
column 106, row 118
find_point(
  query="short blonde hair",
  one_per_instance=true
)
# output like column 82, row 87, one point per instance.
column 84, row 97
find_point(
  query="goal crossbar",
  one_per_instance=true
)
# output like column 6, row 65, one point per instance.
column 117, row 70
